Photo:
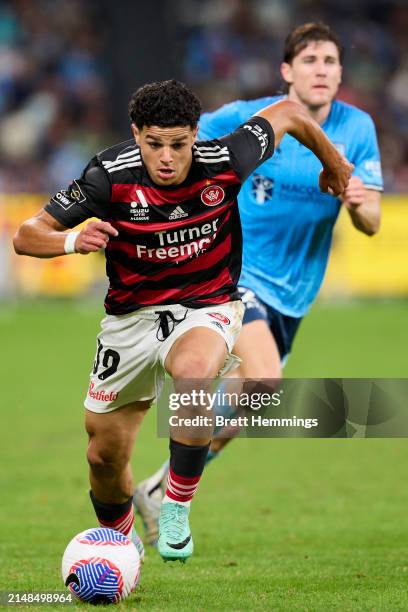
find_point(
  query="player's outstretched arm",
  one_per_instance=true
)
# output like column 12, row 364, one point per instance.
column 44, row 236
column 290, row 117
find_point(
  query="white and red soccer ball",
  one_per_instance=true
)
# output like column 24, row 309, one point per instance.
column 101, row 566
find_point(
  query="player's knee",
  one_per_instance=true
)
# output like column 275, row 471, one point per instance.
column 185, row 366
column 107, row 460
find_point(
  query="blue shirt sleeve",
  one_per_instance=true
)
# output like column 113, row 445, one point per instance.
column 221, row 122
column 367, row 156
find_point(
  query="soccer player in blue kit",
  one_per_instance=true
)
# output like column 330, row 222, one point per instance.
column 287, row 221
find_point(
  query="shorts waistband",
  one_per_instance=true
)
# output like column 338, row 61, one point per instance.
column 150, row 312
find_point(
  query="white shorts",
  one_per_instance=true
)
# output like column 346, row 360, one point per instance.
column 132, row 349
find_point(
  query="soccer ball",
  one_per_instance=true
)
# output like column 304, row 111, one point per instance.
column 101, row 566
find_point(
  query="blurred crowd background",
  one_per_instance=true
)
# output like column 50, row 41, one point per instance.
column 54, row 92
column 68, row 68
column 59, row 67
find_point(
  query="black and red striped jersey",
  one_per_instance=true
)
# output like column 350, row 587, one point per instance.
column 178, row 244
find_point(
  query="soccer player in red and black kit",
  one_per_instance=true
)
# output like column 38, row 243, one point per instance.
column 170, row 228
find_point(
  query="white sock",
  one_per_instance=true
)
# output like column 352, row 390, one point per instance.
column 169, row 500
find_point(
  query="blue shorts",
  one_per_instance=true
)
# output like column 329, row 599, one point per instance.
column 283, row 328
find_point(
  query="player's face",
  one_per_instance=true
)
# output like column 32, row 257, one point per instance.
column 166, row 152
column 314, row 75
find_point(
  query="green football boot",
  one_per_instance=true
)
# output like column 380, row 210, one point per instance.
column 175, row 541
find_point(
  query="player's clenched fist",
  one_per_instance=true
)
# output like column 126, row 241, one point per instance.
column 355, row 193
column 335, row 180
column 94, row 236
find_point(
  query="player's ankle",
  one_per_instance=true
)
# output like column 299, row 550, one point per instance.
column 168, row 500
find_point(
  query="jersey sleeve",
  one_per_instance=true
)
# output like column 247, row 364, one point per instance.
column 367, row 157
column 220, row 122
column 88, row 196
column 250, row 145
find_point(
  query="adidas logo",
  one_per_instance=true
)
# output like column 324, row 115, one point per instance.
column 178, row 213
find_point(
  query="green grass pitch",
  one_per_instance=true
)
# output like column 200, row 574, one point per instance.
column 278, row 524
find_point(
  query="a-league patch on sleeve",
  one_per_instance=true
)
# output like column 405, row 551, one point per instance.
column 68, row 197
column 373, row 167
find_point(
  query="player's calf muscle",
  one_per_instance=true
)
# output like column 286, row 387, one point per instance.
column 111, row 438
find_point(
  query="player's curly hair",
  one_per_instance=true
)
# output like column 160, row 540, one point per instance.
column 165, row 104
column 300, row 37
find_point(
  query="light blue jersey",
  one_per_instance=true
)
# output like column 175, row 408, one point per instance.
column 287, row 222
